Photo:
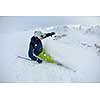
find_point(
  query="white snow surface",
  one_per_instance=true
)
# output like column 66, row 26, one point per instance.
column 75, row 50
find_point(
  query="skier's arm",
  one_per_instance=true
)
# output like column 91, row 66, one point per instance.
column 30, row 53
column 48, row 34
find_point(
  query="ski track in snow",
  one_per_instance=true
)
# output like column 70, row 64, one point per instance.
column 75, row 50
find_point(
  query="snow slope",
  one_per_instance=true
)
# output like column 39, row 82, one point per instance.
column 73, row 45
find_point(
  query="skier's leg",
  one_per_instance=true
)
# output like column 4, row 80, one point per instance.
column 45, row 57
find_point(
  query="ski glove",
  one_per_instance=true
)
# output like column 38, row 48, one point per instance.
column 39, row 60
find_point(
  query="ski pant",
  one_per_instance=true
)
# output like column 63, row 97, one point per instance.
column 46, row 57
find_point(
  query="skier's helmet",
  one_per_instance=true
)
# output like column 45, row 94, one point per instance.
column 38, row 33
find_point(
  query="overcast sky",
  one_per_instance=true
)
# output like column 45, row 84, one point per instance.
column 26, row 22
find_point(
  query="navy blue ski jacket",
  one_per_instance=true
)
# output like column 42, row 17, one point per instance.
column 35, row 47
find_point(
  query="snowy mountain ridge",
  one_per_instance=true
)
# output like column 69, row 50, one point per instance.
column 78, row 26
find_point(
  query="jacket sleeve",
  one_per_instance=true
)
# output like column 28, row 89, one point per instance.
column 48, row 34
column 30, row 54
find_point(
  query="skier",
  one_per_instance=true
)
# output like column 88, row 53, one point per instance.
column 36, row 51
